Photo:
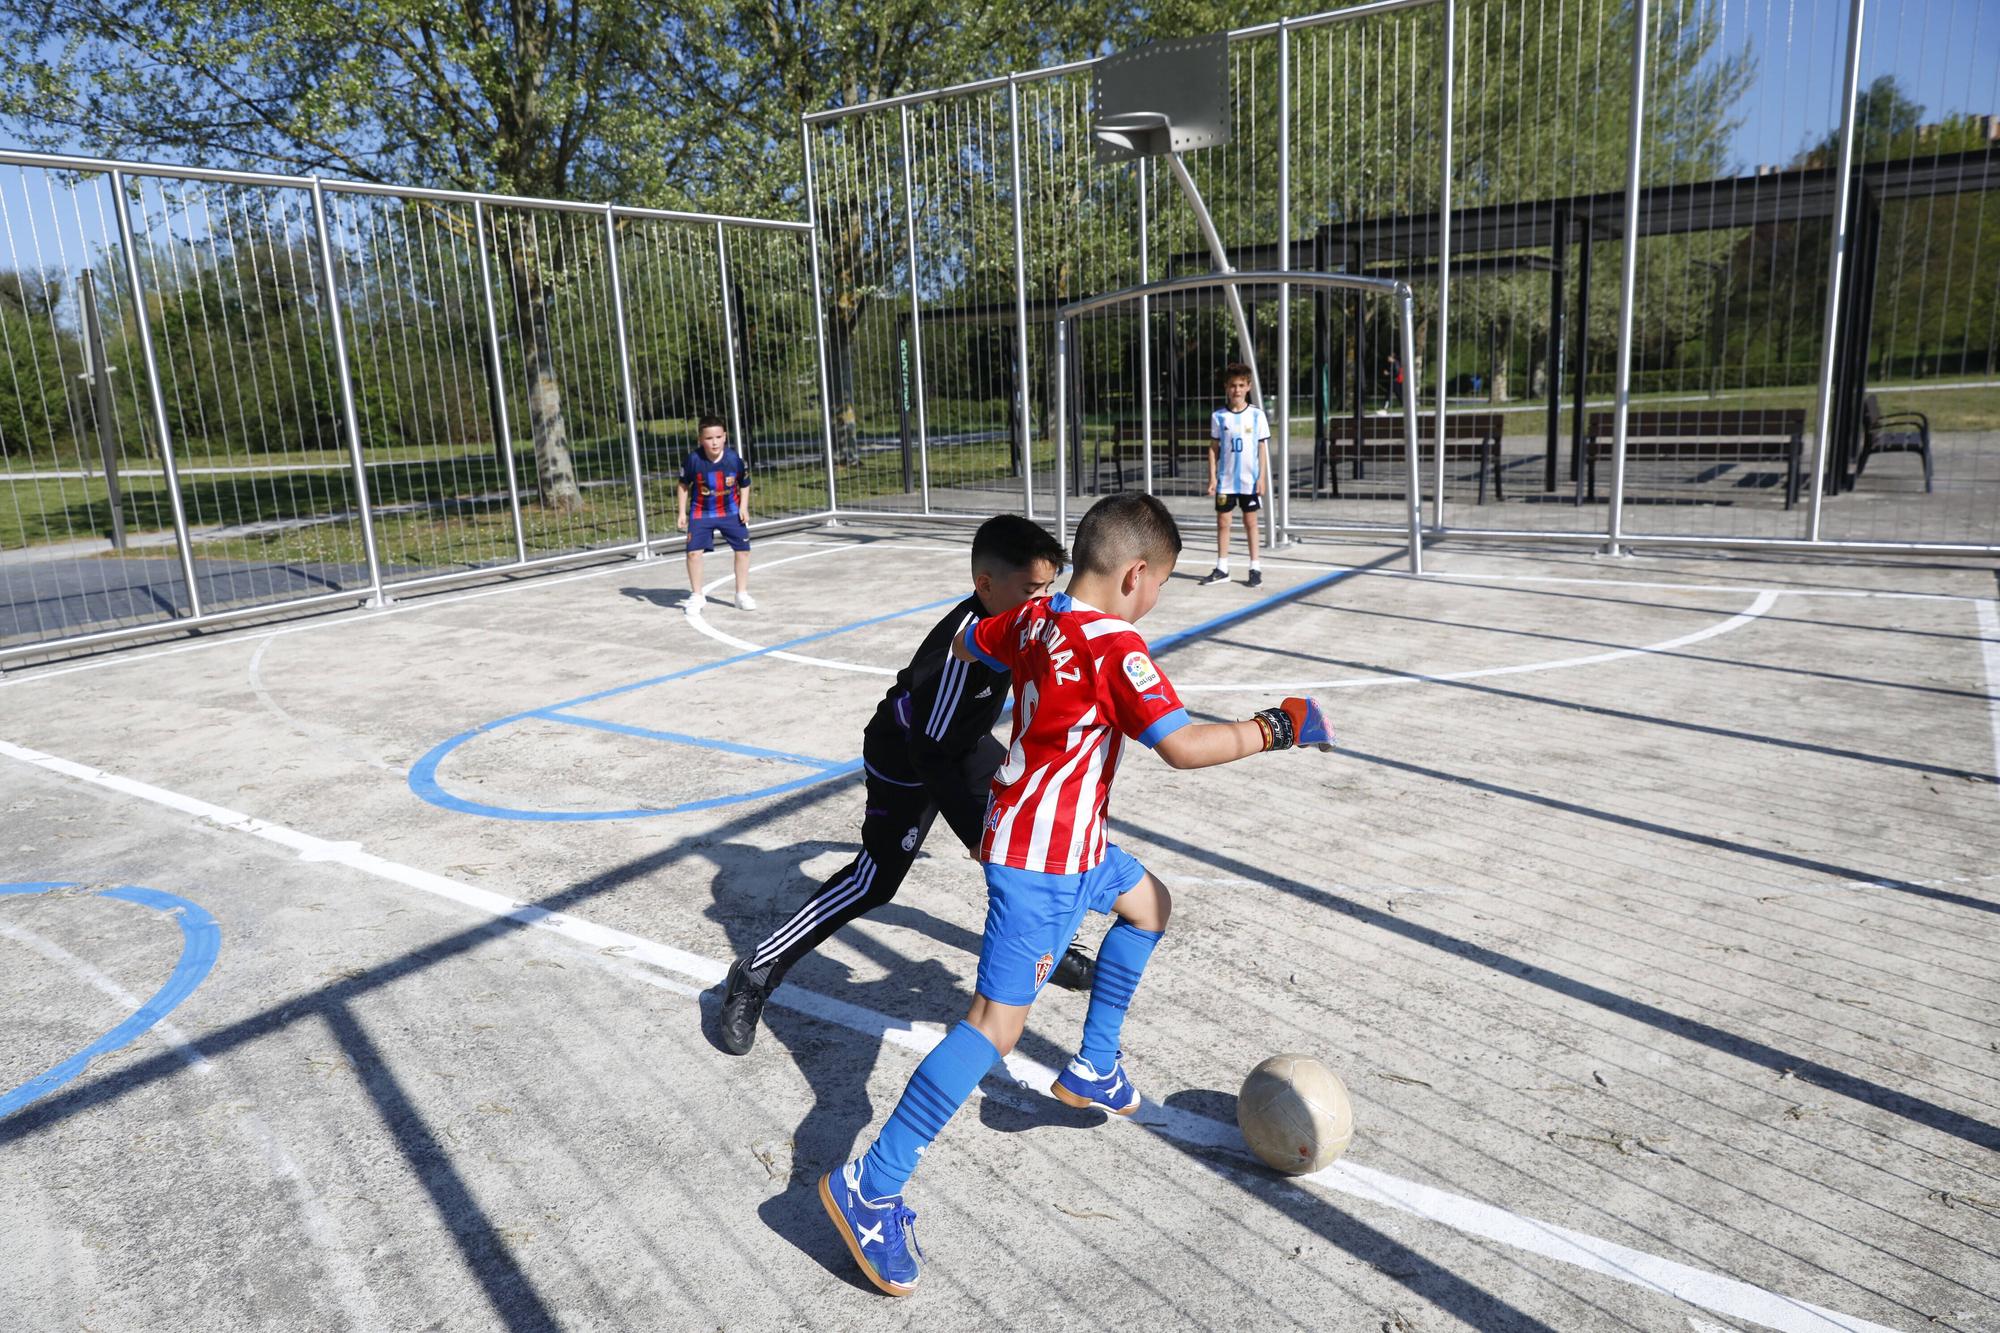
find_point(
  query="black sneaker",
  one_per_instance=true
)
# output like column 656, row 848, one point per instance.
column 1217, row 575
column 742, row 1005
column 1076, row 970
column 1256, row 578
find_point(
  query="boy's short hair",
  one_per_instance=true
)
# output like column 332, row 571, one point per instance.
column 710, row 420
column 1125, row 527
column 1236, row 370
column 1008, row 542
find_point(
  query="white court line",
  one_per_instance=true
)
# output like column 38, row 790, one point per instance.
column 1710, row 1291
column 1677, row 587
column 1763, row 603
column 363, row 617
column 1766, row 598
column 312, row 731
column 1989, row 654
column 346, row 620
column 699, row 619
column 369, row 616
column 173, row 1037
column 350, row 1285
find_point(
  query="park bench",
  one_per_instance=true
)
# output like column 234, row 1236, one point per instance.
column 1891, row 434
column 1127, row 448
column 1722, row 437
column 1468, row 437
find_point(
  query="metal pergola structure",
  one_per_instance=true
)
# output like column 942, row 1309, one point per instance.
column 1539, row 235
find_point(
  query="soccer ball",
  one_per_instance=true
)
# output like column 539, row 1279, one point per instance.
column 1294, row 1114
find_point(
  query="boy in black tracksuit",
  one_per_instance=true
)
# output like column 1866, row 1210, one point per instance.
column 929, row 750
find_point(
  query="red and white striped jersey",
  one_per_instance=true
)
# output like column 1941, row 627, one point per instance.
column 1083, row 682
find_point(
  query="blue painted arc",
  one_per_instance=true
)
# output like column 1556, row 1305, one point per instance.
column 424, row 781
column 201, row 941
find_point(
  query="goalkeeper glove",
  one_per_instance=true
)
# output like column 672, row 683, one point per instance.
column 1295, row 722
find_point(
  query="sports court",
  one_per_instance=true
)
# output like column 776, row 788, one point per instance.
column 1647, row 909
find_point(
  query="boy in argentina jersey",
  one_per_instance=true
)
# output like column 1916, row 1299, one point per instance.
column 1084, row 684
column 1239, row 451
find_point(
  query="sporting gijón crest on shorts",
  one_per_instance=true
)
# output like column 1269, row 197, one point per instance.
column 1083, row 682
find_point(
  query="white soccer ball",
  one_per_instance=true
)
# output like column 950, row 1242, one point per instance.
column 1294, row 1114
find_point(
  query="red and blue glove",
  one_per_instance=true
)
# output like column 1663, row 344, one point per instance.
column 1295, row 722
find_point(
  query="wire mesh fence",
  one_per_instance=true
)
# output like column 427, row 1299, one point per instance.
column 222, row 392
column 227, row 392
column 1500, row 195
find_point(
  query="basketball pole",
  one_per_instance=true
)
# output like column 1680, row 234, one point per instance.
column 1245, row 348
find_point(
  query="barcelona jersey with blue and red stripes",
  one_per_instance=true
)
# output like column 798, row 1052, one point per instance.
column 714, row 485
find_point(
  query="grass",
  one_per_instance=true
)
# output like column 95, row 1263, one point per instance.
column 459, row 513
column 1950, row 410
column 455, row 518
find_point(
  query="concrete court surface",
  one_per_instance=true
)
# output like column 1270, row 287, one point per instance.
column 1648, row 911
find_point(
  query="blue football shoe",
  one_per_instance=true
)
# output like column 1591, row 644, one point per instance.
column 1082, row 1086
column 881, row 1234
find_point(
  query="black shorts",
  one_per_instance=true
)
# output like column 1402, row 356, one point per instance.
column 1224, row 502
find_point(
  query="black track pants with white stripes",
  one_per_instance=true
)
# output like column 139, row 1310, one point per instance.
column 892, row 833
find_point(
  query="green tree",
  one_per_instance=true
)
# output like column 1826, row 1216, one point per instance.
column 546, row 98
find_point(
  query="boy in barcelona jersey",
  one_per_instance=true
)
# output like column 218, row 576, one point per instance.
column 1084, row 684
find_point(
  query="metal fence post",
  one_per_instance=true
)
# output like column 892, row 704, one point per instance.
column 729, row 343
column 819, row 318
column 1413, row 466
column 348, row 414
column 499, row 374
column 1835, row 266
column 182, row 546
column 1023, row 430
column 1444, row 262
column 916, row 316
column 97, row 370
column 1280, row 519
column 1145, row 345
column 1628, row 275
column 1062, row 427
column 625, row 376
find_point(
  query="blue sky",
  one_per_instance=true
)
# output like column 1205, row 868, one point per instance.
column 1945, row 54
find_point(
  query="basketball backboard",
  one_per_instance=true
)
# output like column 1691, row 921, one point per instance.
column 1164, row 97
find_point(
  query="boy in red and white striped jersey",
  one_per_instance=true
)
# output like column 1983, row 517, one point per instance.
column 1084, row 683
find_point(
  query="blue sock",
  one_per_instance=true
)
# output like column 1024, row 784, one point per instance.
column 944, row 1079
column 1120, row 960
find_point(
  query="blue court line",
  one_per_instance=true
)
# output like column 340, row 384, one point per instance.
column 423, row 775
column 679, row 738
column 1169, row 642
column 201, row 940
column 424, row 782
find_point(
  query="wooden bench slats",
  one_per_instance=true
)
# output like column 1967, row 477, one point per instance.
column 1727, row 435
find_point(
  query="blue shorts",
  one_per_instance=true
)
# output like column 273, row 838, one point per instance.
column 1031, row 916
column 701, row 533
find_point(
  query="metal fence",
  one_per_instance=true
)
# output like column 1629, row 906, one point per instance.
column 226, row 394
column 1708, row 271
column 1720, row 271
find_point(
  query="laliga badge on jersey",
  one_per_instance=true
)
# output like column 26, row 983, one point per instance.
column 1139, row 669
column 1043, row 967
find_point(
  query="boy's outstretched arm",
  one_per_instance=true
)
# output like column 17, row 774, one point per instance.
column 1206, row 744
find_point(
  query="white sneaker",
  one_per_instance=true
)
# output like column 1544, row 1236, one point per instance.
column 695, row 602
column 745, row 602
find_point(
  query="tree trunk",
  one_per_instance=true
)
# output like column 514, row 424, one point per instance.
column 840, row 369
column 555, row 473
column 1502, row 351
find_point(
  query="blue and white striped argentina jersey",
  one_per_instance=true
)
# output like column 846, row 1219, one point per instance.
column 1238, row 460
